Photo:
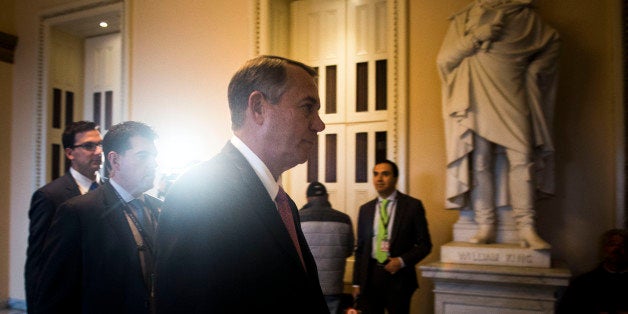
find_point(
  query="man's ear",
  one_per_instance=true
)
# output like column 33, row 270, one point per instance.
column 113, row 158
column 255, row 107
column 68, row 153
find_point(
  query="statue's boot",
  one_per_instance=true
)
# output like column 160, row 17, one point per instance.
column 483, row 204
column 486, row 234
column 529, row 238
column 522, row 202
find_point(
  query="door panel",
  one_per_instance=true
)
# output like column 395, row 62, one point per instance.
column 347, row 41
column 366, row 44
column 360, row 158
column 65, row 93
column 297, row 176
column 319, row 40
column 102, row 80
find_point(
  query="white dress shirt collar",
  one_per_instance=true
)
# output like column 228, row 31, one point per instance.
column 272, row 186
column 390, row 198
column 126, row 196
column 82, row 181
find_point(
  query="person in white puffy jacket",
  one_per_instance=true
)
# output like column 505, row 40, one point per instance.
column 329, row 234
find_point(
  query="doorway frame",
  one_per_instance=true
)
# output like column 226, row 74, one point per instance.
column 48, row 19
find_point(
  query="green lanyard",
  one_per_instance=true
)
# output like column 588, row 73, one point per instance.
column 383, row 214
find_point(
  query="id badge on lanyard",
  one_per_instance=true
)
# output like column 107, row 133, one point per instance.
column 385, row 245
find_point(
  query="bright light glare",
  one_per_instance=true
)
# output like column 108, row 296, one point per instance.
column 178, row 153
column 175, row 156
column 103, row 24
column 178, row 150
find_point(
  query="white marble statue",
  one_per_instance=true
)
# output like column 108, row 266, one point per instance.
column 498, row 66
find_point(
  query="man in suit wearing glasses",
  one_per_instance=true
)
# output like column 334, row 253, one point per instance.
column 82, row 144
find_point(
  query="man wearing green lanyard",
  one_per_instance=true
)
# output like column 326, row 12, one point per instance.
column 392, row 238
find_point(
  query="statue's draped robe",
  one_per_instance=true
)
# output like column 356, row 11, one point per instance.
column 503, row 92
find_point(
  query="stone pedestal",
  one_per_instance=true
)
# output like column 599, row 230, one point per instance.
column 496, row 254
column 501, row 277
column 466, row 288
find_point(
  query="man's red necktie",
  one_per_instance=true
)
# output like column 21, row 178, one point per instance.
column 283, row 205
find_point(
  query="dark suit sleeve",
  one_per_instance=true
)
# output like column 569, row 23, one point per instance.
column 40, row 215
column 362, row 248
column 59, row 290
column 421, row 244
column 183, row 264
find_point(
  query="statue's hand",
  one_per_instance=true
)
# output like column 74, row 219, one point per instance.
column 488, row 32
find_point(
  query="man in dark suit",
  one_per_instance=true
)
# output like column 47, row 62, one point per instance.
column 392, row 238
column 229, row 238
column 100, row 245
column 82, row 147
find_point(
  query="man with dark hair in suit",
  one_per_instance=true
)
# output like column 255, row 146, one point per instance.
column 392, row 238
column 82, row 146
column 229, row 238
column 100, row 245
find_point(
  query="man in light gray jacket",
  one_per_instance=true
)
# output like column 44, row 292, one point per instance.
column 329, row 234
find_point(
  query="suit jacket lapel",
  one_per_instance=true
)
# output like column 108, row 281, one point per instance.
column 114, row 212
column 399, row 212
column 71, row 188
column 369, row 220
column 264, row 208
column 154, row 205
column 114, row 207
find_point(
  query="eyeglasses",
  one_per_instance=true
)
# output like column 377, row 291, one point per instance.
column 90, row 146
